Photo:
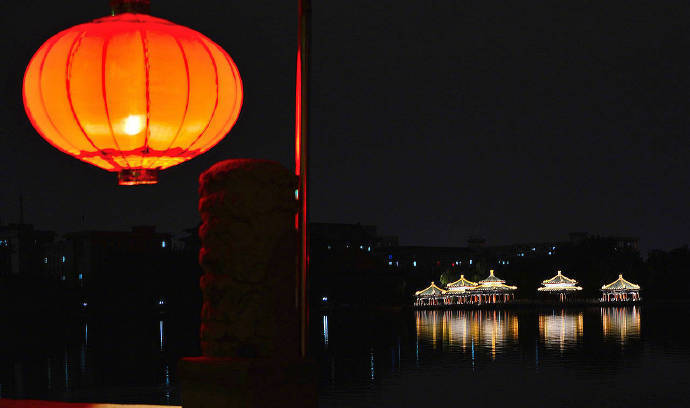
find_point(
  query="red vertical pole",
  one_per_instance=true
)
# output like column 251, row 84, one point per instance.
column 302, row 163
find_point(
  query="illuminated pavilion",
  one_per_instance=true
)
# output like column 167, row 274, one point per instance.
column 560, row 285
column 620, row 290
column 460, row 291
column 432, row 295
column 493, row 289
column 463, row 291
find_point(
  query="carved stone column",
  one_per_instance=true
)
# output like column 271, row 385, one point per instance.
column 249, row 319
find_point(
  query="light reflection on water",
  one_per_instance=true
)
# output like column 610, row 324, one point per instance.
column 160, row 335
column 496, row 331
column 93, row 363
column 621, row 324
column 490, row 330
column 561, row 329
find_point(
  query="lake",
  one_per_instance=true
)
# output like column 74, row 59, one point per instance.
column 598, row 356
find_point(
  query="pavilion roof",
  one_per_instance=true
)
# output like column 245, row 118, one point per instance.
column 558, row 288
column 491, row 279
column 559, row 279
column 494, row 287
column 620, row 284
column 462, row 283
column 430, row 290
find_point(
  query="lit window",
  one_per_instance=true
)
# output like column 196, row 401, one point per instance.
column 45, row 260
column 361, row 247
column 470, row 262
column 63, row 259
column 162, row 244
column 390, row 256
column 534, row 249
column 390, row 263
column 296, row 194
column 553, row 247
column 550, row 252
column 368, row 249
column 329, row 247
column 324, row 299
column 347, row 245
column 414, row 263
column 396, row 263
column 81, row 276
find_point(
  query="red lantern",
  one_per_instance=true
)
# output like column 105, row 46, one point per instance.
column 131, row 93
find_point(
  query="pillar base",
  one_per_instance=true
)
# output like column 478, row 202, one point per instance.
column 207, row 382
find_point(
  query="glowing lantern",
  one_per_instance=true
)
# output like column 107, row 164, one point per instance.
column 131, row 93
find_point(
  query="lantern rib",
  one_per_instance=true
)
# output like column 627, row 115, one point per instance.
column 106, row 43
column 186, row 105
column 40, row 92
column 68, row 73
column 238, row 87
column 147, row 70
column 215, row 106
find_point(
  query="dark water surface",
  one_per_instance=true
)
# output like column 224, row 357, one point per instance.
column 608, row 356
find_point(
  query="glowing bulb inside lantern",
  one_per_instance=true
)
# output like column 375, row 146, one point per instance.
column 134, row 124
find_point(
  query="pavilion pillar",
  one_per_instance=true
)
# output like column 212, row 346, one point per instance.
column 250, row 323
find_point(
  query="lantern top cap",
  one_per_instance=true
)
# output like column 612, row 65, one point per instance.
column 132, row 18
column 130, row 6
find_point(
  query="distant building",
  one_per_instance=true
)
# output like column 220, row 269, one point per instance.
column 504, row 253
column 346, row 256
column 335, row 237
column 84, row 255
column 425, row 261
column 22, row 250
column 618, row 242
column 348, row 267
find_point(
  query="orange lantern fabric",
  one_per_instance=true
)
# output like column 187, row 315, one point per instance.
column 132, row 94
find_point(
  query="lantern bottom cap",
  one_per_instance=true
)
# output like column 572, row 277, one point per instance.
column 132, row 177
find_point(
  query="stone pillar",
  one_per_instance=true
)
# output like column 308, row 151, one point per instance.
column 249, row 318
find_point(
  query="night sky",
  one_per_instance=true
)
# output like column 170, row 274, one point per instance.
column 518, row 121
